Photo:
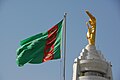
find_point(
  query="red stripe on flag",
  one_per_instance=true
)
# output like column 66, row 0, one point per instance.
column 49, row 47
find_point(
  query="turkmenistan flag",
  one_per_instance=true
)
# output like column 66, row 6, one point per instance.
column 41, row 47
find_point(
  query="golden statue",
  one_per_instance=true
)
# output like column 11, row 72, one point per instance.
column 91, row 24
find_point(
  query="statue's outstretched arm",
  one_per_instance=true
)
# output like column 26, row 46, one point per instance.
column 90, row 15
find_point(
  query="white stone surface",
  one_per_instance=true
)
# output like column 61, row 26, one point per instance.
column 91, row 65
column 92, row 78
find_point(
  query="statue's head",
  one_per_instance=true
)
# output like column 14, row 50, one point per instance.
column 92, row 22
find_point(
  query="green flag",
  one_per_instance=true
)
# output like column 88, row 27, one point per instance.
column 41, row 47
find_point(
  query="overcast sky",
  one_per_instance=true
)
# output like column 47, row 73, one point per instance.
column 20, row 19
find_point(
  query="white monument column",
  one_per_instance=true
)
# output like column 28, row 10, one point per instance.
column 91, row 65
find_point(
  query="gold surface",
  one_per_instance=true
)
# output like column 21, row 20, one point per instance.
column 91, row 24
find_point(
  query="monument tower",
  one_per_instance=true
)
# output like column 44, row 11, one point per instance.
column 91, row 64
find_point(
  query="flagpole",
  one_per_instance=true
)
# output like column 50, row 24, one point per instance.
column 64, row 71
